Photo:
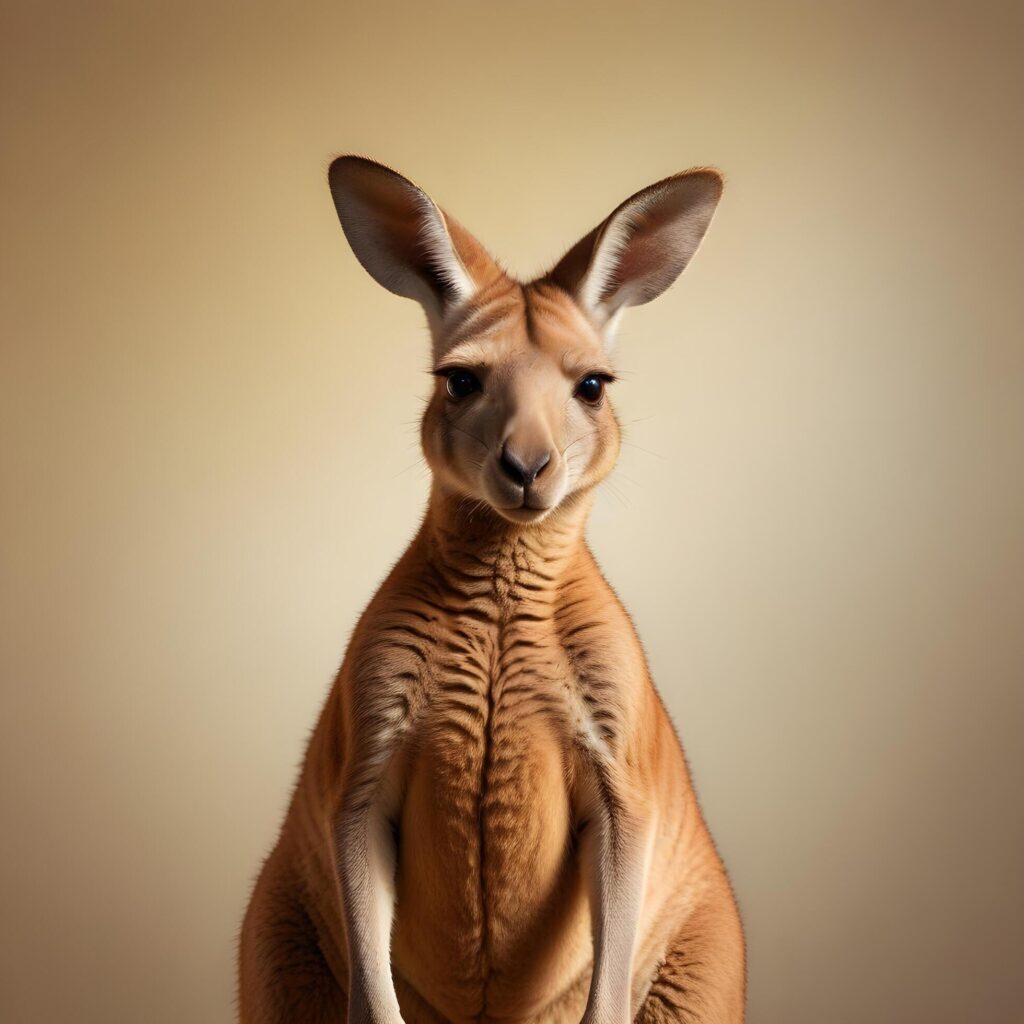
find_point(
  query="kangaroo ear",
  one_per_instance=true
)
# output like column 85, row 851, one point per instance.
column 642, row 247
column 402, row 238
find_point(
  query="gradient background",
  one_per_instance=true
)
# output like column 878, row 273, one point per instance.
column 210, row 457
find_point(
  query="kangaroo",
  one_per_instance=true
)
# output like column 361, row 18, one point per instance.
column 494, row 820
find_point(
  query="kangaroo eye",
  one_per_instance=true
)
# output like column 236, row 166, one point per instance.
column 590, row 389
column 462, row 383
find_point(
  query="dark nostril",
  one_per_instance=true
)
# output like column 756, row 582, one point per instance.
column 518, row 472
column 513, row 468
column 538, row 467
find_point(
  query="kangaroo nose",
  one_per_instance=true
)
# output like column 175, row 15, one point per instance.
column 518, row 471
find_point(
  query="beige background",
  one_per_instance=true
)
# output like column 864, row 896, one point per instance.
column 210, row 460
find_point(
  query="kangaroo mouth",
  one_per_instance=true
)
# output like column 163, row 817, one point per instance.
column 524, row 513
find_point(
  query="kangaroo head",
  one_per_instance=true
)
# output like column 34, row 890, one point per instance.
column 519, row 417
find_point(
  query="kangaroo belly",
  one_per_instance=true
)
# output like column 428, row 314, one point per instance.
column 491, row 916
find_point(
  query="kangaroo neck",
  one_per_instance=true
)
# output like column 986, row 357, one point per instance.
column 466, row 540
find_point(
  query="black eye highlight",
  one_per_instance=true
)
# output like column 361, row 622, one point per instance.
column 462, row 383
column 591, row 388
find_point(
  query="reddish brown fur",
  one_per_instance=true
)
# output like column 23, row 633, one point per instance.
column 495, row 693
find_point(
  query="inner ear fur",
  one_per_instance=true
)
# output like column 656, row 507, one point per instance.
column 643, row 246
column 402, row 237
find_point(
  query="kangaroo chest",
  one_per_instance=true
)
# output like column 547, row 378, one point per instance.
column 488, row 881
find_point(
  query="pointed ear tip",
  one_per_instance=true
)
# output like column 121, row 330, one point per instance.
column 712, row 177
column 347, row 164
column 340, row 168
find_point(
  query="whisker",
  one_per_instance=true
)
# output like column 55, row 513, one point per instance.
column 615, row 492
column 646, row 451
column 589, row 433
column 412, row 465
column 462, row 430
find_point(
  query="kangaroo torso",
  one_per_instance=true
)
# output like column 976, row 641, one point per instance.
column 512, row 663
column 496, row 917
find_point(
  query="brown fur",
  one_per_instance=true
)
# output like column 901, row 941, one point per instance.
column 495, row 706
